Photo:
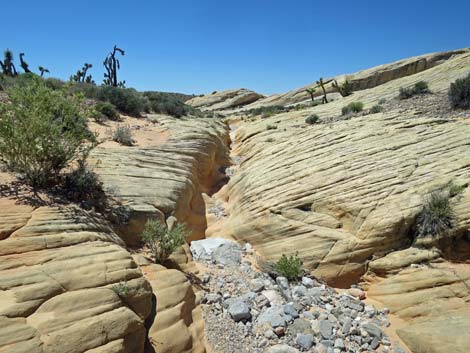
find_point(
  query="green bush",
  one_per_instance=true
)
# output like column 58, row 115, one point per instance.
column 420, row 87
column 376, row 109
column 289, row 266
column 459, row 93
column 353, row 107
column 41, row 131
column 123, row 136
column 268, row 110
column 437, row 215
column 162, row 241
column 126, row 100
column 169, row 104
column 107, row 110
column 312, row 119
column 82, row 185
column 382, row 100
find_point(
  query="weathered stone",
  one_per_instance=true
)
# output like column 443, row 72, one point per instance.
column 326, row 329
column 239, row 310
column 282, row 348
column 273, row 316
column 304, row 340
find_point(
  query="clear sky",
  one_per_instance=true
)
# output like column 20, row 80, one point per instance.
column 197, row 46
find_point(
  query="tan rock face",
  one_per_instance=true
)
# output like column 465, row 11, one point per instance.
column 58, row 267
column 345, row 195
column 178, row 325
column 168, row 179
column 225, row 99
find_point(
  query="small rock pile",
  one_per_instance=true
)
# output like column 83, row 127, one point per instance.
column 246, row 310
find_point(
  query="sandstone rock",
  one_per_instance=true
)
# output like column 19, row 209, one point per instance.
column 59, row 268
column 225, row 99
column 357, row 293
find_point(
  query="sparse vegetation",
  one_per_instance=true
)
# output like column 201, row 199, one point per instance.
column 420, row 87
column 345, row 89
column 82, row 185
column 459, row 93
column 376, row 109
column 437, row 215
column 161, row 241
column 107, row 110
column 271, row 127
column 121, row 289
column 382, row 100
column 312, row 119
column 353, row 107
column 41, row 131
column 123, row 136
column 289, row 266
column 267, row 111
column 169, row 103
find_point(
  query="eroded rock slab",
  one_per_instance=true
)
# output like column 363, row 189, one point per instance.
column 59, row 268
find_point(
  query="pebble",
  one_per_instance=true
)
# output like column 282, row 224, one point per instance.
column 304, row 340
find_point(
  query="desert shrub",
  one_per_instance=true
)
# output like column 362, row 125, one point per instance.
column 268, row 110
column 289, row 266
column 54, row 83
column 270, row 139
column 437, row 215
column 382, row 100
column 169, row 103
column 123, row 136
column 108, row 110
column 271, row 127
column 312, row 119
column 420, row 87
column 162, row 241
column 41, row 131
column 459, row 93
column 126, row 100
column 353, row 107
column 121, row 289
column 376, row 109
column 82, row 185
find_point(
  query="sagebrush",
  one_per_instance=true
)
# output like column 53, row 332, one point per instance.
column 161, row 241
column 41, row 131
column 353, row 107
column 437, row 215
column 459, row 93
column 123, row 136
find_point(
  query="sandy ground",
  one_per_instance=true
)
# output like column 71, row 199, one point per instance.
column 146, row 132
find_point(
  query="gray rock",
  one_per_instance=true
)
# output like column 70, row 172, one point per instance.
column 261, row 301
column 282, row 348
column 257, row 285
column 308, row 315
column 339, row 343
column 346, row 326
column 269, row 334
column 326, row 329
column 299, row 326
column 282, row 282
column 212, row 298
column 202, row 249
column 304, row 340
column 372, row 329
column 375, row 343
column 239, row 310
column 228, row 254
column 308, row 282
column 299, row 291
column 290, row 310
column 272, row 316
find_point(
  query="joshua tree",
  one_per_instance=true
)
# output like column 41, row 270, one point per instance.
column 322, row 85
column 8, row 68
column 345, row 89
column 24, row 64
column 43, row 70
column 81, row 76
column 111, row 64
column 311, row 91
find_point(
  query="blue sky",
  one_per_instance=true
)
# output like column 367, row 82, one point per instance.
column 199, row 46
